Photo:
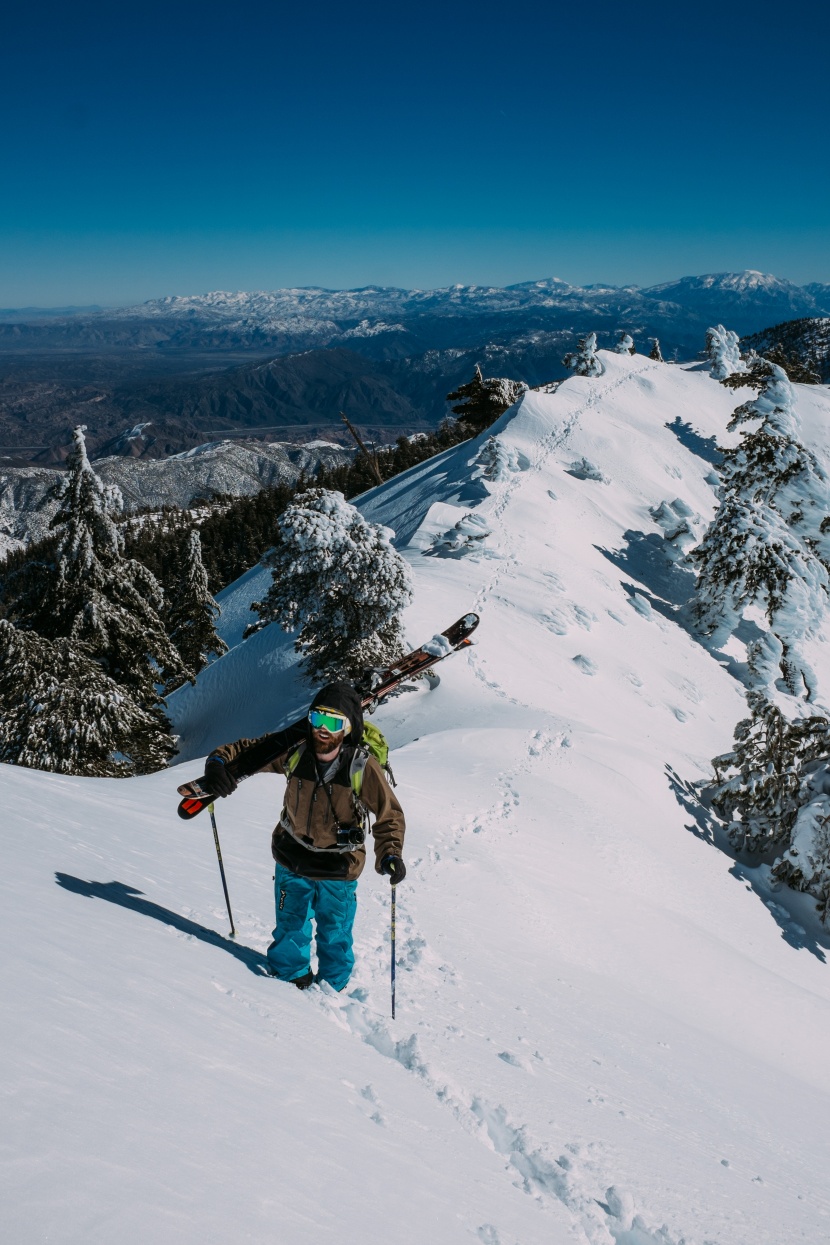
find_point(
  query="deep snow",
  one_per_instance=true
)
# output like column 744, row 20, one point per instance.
column 605, row 1023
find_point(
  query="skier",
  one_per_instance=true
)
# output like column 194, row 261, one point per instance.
column 318, row 843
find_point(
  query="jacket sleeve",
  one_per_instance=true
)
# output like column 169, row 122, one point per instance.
column 379, row 798
column 262, row 755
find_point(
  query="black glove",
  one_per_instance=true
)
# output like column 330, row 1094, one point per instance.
column 394, row 866
column 218, row 778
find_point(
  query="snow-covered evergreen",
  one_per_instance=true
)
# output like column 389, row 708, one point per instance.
column 757, row 788
column 768, row 545
column 656, row 353
column 339, row 582
column 61, row 712
column 773, row 791
column 805, row 865
column 495, row 461
column 723, row 348
column 584, row 361
column 625, row 343
column 95, row 596
column 192, row 613
column 481, row 401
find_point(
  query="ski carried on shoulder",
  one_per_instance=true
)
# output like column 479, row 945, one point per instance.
column 380, row 683
column 377, row 685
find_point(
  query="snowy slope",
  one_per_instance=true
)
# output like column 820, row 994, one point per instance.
column 605, row 1024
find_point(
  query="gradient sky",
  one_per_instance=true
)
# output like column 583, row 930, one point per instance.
column 180, row 147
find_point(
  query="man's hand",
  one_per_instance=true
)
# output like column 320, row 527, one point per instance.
column 218, row 778
column 394, row 867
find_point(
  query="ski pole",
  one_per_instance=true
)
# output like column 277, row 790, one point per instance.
column 394, row 888
column 221, row 867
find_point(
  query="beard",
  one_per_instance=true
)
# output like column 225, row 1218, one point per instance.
column 327, row 750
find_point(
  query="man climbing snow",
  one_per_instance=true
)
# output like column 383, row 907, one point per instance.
column 318, row 843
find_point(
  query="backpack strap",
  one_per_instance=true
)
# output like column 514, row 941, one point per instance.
column 356, row 768
column 295, row 758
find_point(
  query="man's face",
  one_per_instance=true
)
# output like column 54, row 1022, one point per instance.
column 328, row 729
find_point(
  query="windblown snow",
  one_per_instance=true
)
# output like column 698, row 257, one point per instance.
column 608, row 1030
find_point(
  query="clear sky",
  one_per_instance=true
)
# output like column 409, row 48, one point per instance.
column 178, row 147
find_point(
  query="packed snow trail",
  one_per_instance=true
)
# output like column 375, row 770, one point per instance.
column 600, row 1030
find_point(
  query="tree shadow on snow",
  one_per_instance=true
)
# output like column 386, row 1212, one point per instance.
column 704, row 447
column 668, row 588
column 793, row 912
column 643, row 557
column 129, row 897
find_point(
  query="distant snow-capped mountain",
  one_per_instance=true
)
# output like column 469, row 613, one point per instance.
column 315, row 303
column 287, row 306
column 738, row 295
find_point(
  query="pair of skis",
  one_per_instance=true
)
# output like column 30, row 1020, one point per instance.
column 380, row 684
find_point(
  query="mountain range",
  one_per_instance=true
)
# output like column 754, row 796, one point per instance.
column 287, row 362
column 379, row 320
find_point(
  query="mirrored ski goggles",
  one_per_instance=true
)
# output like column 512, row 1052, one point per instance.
column 329, row 720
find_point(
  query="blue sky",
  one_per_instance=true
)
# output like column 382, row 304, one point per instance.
column 179, row 147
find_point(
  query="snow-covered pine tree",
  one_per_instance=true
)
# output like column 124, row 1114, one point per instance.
column 625, row 343
column 482, row 400
column 773, row 790
column 769, row 542
column 584, row 361
column 62, row 713
column 94, row 596
column 192, row 613
column 758, row 368
column 758, row 786
column 495, row 461
column 723, row 348
column 339, row 582
column 805, row 865
column 655, row 353
column 769, row 546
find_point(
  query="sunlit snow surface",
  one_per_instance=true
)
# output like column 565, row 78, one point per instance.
column 605, row 1024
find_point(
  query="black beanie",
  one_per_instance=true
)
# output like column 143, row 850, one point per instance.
column 344, row 698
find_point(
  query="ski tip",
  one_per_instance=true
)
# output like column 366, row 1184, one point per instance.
column 190, row 807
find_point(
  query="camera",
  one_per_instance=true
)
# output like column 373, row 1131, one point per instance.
column 350, row 836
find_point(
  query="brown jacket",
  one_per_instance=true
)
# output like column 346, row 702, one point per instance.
column 312, row 811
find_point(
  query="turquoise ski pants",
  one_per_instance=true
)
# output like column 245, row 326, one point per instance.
column 332, row 903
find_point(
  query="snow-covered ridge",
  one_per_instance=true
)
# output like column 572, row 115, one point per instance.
column 609, row 1031
column 235, row 468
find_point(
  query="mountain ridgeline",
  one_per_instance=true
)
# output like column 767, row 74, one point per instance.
column 284, row 364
